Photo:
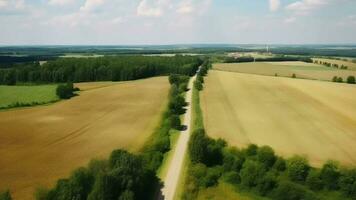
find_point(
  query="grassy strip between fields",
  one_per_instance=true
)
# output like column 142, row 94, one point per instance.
column 216, row 171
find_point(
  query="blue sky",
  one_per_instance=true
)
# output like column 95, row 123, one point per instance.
column 114, row 22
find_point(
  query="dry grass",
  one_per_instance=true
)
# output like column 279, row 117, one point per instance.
column 286, row 69
column 350, row 65
column 39, row 145
column 294, row 116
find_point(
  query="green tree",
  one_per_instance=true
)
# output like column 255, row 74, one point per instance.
column 290, row 191
column 347, row 182
column 330, row 175
column 198, row 85
column 298, row 168
column 198, row 146
column 351, row 80
column 314, row 181
column 265, row 155
column 175, row 122
column 251, row 173
column 65, row 91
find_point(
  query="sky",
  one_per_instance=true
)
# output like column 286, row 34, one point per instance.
column 150, row 22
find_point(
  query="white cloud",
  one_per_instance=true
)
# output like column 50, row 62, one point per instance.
column 152, row 8
column 186, row 6
column 91, row 5
column 60, row 2
column 290, row 20
column 274, row 5
column 304, row 7
column 3, row 3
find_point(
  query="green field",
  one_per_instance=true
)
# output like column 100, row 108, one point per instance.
column 10, row 95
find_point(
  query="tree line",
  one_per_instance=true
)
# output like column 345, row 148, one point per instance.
column 268, row 59
column 109, row 68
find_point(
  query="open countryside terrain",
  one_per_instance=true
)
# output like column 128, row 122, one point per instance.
column 42, row 144
column 286, row 69
column 350, row 65
column 312, row 118
column 27, row 94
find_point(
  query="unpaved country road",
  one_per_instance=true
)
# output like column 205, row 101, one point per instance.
column 175, row 167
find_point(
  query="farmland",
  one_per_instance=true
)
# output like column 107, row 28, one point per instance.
column 293, row 116
column 350, row 65
column 27, row 94
column 286, row 69
column 42, row 144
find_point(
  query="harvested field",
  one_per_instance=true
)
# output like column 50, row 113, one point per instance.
column 42, row 144
column 286, row 69
column 294, row 116
column 350, row 65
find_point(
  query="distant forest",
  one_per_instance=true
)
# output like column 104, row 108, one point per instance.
column 109, row 68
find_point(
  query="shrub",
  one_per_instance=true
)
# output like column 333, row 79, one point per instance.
column 65, row 91
column 347, row 182
column 267, row 183
column 266, row 156
column 339, row 80
column 314, row 181
column 294, row 76
column 212, row 176
column 233, row 159
column 198, row 85
column 251, row 172
column 214, row 155
column 290, row 191
column 280, row 164
column 334, row 79
column 232, row 177
column 5, row 195
column 298, row 168
column 200, row 79
column 251, row 150
column 198, row 146
column 351, row 80
column 175, row 122
column 329, row 175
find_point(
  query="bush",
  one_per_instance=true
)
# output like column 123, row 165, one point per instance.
column 212, row 176
column 266, row 156
column 251, row 173
column 298, row 168
column 198, row 85
column 294, row 76
column 290, row 191
column 175, row 122
column 280, row 164
column 233, row 159
column 339, row 80
column 314, row 181
column 232, row 177
column 330, row 175
column 65, row 91
column 5, row 195
column 267, row 183
column 198, row 146
column 351, row 80
column 334, row 79
column 251, row 150
column 347, row 182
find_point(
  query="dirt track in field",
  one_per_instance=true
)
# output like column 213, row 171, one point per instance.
column 312, row 118
column 41, row 144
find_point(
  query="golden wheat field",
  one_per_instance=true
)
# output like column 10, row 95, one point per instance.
column 294, row 116
column 350, row 65
column 42, row 144
column 286, row 69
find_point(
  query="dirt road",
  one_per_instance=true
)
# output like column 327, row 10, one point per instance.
column 175, row 167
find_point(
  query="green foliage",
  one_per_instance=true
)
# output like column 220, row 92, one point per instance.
column 5, row 195
column 330, row 175
column 110, row 68
column 298, row 168
column 314, row 181
column 251, row 173
column 339, row 80
column 267, row 183
column 233, row 159
column 65, row 91
column 198, row 85
column 175, row 122
column 290, row 191
column 351, row 80
column 198, row 146
column 294, row 76
column 280, row 164
column 347, row 182
column 251, row 150
column 232, row 177
column 334, row 79
column 265, row 155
